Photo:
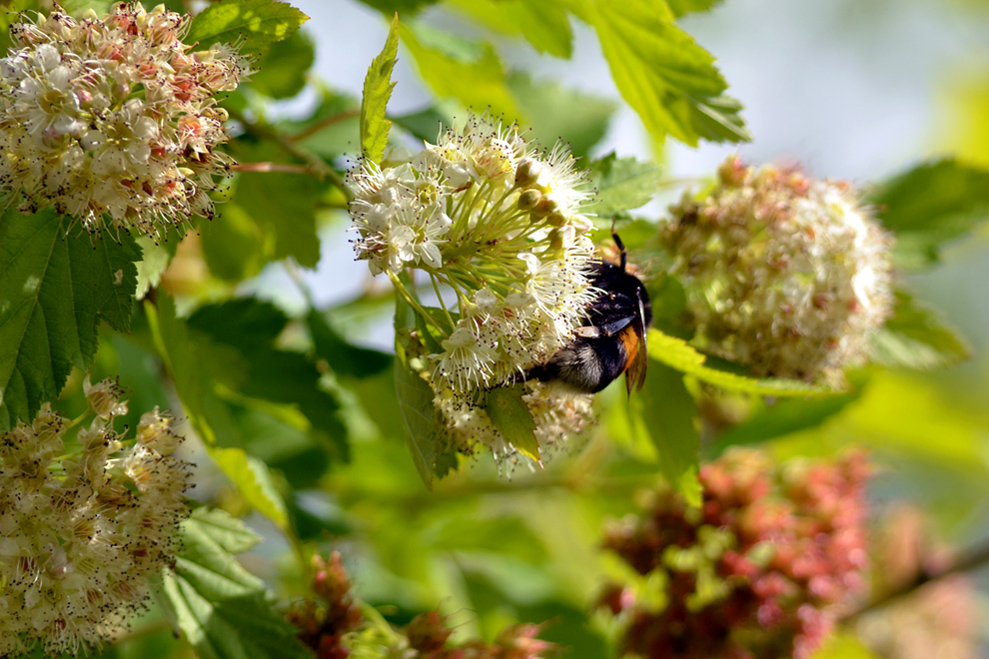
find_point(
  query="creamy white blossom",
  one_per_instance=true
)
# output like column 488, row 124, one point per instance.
column 785, row 273
column 81, row 534
column 113, row 120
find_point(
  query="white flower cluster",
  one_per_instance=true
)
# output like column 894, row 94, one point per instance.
column 558, row 418
column 81, row 534
column 785, row 273
column 114, row 117
column 494, row 220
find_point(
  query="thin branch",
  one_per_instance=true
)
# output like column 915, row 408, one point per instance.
column 972, row 560
column 325, row 122
column 317, row 164
column 286, row 167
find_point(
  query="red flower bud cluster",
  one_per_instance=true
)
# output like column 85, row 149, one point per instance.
column 323, row 622
column 428, row 635
column 332, row 625
column 763, row 569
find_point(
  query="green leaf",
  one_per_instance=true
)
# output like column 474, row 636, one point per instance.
column 54, row 290
column 374, row 102
column 405, row 7
column 258, row 22
column 622, row 184
column 668, row 79
column 253, row 481
column 332, row 130
column 464, row 69
column 250, row 328
column 214, row 378
column 282, row 207
column 677, row 354
column 784, row 417
column 234, row 245
column 545, row 25
column 224, row 611
column 343, row 358
column 429, row 446
column 662, row 413
column 156, row 257
column 916, row 338
column 425, row 124
column 930, row 205
column 681, row 7
column 282, row 71
column 512, row 418
column 556, row 113
column 844, row 645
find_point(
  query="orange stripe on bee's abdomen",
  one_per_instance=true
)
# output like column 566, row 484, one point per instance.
column 630, row 340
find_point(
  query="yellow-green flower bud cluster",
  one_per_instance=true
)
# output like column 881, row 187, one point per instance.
column 787, row 274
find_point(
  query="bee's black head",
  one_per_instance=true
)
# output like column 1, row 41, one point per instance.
column 620, row 293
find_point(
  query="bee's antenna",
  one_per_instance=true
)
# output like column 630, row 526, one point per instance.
column 620, row 244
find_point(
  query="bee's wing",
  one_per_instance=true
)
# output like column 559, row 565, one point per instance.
column 635, row 376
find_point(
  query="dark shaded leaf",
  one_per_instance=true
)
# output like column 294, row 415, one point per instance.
column 663, row 413
column 282, row 71
column 782, row 418
column 54, row 291
column 344, row 358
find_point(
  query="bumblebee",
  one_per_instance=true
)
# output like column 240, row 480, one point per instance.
column 613, row 339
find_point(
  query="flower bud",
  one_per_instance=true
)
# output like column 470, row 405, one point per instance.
column 527, row 173
column 104, row 398
column 547, row 205
column 558, row 219
column 528, row 199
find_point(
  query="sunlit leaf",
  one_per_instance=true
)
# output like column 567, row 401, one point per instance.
column 668, row 79
column 930, row 205
column 622, row 184
column 390, row 7
column 916, row 338
column 545, row 24
column 257, row 22
column 253, row 481
column 512, row 418
column 677, row 354
column 377, row 90
column 556, row 113
column 681, row 7
column 464, row 69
